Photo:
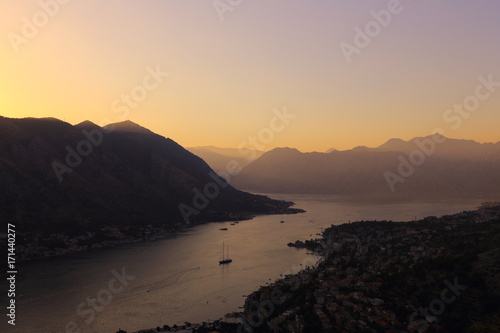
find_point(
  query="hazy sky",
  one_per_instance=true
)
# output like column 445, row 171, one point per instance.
column 231, row 62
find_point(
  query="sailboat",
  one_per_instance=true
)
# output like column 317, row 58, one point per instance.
column 225, row 260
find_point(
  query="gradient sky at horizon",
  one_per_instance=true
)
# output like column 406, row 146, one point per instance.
column 226, row 76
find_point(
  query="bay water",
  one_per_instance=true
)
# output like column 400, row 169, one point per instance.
column 178, row 279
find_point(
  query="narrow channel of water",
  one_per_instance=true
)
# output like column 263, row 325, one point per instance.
column 179, row 279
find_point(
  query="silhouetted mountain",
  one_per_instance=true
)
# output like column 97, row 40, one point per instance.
column 225, row 159
column 416, row 168
column 55, row 177
column 247, row 153
column 395, row 144
column 449, row 148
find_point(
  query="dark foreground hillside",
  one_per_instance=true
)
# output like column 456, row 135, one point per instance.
column 69, row 187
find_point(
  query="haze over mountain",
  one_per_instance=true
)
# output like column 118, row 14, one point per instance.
column 223, row 159
column 420, row 168
column 55, row 176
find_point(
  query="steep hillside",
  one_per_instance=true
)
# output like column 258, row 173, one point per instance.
column 59, row 178
column 398, row 168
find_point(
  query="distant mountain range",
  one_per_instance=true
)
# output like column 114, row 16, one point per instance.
column 222, row 159
column 424, row 167
column 58, row 177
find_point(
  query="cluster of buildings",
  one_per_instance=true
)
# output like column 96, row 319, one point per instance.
column 37, row 246
column 347, row 291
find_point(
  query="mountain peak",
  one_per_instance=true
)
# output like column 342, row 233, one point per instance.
column 129, row 178
column 285, row 150
column 87, row 124
column 360, row 148
column 395, row 140
column 129, row 126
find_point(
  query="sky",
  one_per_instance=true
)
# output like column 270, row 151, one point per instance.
column 312, row 75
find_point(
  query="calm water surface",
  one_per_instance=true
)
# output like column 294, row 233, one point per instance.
column 179, row 279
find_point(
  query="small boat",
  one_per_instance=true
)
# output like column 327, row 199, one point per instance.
column 223, row 229
column 282, row 221
column 232, row 223
column 225, row 260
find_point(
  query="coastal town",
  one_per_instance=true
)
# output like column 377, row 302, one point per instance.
column 63, row 242
column 379, row 276
column 438, row 274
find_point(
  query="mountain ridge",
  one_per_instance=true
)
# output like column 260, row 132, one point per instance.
column 223, row 160
column 438, row 167
column 123, row 176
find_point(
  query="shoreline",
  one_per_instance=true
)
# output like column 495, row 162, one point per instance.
column 145, row 234
column 335, row 290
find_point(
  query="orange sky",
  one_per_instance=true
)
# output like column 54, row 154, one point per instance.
column 225, row 77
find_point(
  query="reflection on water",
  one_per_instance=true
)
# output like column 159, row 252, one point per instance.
column 179, row 279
